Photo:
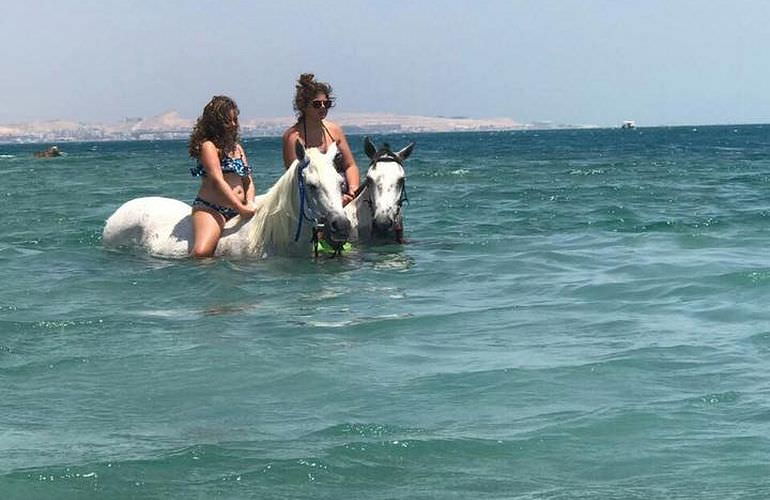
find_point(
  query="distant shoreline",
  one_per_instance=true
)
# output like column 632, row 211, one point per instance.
column 49, row 132
column 172, row 126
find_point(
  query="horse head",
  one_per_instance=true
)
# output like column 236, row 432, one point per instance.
column 386, row 183
column 321, row 192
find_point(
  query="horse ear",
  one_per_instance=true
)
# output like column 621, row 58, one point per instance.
column 299, row 149
column 369, row 148
column 404, row 153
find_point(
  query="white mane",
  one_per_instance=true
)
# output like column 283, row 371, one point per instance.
column 275, row 219
column 360, row 215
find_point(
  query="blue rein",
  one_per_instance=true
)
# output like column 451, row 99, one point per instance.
column 302, row 196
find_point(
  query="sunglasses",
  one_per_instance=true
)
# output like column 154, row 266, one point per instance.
column 326, row 104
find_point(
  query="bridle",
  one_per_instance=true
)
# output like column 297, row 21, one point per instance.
column 388, row 156
column 318, row 225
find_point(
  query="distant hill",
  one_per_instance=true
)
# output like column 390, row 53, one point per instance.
column 170, row 125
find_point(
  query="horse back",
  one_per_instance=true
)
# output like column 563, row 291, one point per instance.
column 161, row 226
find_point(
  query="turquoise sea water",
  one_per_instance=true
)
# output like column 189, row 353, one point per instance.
column 578, row 314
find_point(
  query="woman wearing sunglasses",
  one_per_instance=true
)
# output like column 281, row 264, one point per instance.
column 312, row 102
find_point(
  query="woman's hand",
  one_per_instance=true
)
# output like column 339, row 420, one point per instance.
column 346, row 198
column 246, row 211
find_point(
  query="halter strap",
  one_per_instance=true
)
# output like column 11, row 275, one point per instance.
column 324, row 133
column 386, row 157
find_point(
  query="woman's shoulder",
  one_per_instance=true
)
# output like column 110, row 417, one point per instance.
column 291, row 132
column 334, row 128
column 208, row 146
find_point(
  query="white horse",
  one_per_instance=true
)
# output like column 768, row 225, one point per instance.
column 375, row 213
column 309, row 193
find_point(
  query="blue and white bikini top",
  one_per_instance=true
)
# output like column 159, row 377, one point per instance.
column 229, row 165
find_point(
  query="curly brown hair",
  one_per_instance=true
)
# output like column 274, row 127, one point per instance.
column 307, row 88
column 214, row 125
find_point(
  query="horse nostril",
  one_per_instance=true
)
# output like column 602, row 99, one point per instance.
column 339, row 225
column 383, row 226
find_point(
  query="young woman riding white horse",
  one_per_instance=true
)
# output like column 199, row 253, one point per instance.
column 312, row 102
column 227, row 188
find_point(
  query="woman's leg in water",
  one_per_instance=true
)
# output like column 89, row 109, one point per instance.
column 207, row 228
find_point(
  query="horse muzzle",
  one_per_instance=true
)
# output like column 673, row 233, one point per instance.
column 383, row 224
column 337, row 229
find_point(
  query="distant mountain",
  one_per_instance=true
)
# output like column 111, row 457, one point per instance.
column 170, row 125
column 380, row 122
column 164, row 122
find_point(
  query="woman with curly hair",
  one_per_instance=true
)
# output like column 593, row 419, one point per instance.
column 227, row 188
column 312, row 102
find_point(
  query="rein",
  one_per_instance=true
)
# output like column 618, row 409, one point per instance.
column 399, row 225
column 302, row 197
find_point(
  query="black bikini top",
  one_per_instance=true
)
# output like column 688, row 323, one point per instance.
column 339, row 162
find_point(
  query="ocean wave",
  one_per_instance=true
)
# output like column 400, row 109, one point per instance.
column 590, row 171
column 363, row 430
column 26, row 367
column 457, row 172
column 760, row 341
column 462, row 466
column 717, row 398
column 355, row 321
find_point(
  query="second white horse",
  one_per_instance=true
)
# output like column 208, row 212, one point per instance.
column 376, row 213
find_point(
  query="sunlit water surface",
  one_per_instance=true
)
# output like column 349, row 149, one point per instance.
column 577, row 314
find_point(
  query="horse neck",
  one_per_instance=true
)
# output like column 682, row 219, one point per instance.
column 277, row 214
column 359, row 211
column 283, row 195
column 361, row 202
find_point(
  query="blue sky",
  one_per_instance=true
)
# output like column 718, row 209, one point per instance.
column 569, row 61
